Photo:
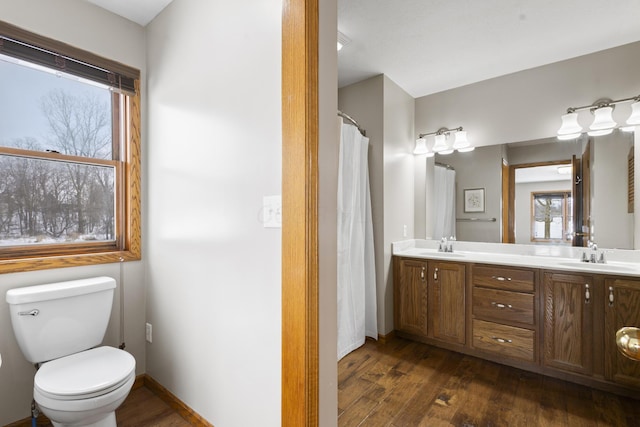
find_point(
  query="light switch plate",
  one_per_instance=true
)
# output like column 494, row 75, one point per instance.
column 272, row 211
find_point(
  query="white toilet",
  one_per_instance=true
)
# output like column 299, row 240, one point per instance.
column 58, row 326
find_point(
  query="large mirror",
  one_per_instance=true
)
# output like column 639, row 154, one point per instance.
column 544, row 192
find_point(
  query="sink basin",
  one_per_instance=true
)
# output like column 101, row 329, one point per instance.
column 443, row 254
column 596, row 266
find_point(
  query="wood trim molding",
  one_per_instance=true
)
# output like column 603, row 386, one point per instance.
column 300, row 213
column 176, row 404
column 383, row 339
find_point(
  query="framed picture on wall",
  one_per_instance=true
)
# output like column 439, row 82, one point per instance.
column 474, row 200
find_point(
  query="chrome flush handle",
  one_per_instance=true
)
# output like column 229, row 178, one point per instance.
column 33, row 312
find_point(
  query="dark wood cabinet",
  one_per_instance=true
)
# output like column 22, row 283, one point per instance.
column 429, row 299
column 410, row 296
column 622, row 308
column 568, row 322
column 447, row 301
column 557, row 323
column 504, row 312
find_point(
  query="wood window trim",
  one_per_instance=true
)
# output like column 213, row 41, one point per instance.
column 565, row 214
column 129, row 217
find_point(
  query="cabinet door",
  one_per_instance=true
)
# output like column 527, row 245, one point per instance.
column 411, row 297
column 622, row 308
column 447, row 302
column 568, row 322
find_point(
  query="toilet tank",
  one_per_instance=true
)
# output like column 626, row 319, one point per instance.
column 58, row 319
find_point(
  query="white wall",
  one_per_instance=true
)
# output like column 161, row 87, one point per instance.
column 115, row 38
column 215, row 150
column 398, row 186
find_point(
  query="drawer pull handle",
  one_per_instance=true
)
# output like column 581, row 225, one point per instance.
column 500, row 305
column 422, row 275
column 610, row 296
column 501, row 279
column 587, row 294
column 501, row 340
column 435, row 274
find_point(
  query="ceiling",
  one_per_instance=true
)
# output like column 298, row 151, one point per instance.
column 427, row 46
column 140, row 11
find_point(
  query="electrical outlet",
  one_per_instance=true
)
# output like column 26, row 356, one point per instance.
column 149, row 332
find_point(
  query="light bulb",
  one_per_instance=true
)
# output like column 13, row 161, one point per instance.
column 570, row 128
column 461, row 143
column 603, row 123
column 634, row 118
column 441, row 144
column 421, row 146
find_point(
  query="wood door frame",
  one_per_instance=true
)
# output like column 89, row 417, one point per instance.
column 300, row 365
column 511, row 202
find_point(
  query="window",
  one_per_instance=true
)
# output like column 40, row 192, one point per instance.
column 552, row 220
column 69, row 155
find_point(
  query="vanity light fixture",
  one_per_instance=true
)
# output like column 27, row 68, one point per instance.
column 603, row 123
column 634, row 118
column 441, row 143
column 421, row 148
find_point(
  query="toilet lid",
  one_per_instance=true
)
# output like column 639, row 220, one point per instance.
column 86, row 374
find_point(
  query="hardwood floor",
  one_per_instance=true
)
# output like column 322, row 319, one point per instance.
column 142, row 408
column 404, row 383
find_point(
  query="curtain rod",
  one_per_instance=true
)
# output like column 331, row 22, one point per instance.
column 446, row 166
column 353, row 121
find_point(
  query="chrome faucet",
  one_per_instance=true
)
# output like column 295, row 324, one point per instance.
column 594, row 258
column 443, row 245
column 446, row 247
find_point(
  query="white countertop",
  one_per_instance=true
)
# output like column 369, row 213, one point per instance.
column 618, row 261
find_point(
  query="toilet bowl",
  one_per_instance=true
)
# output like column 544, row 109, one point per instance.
column 60, row 327
column 84, row 389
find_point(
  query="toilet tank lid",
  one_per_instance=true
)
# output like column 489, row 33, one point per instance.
column 58, row 290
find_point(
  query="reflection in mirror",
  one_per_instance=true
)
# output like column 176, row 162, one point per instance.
column 592, row 203
column 544, row 204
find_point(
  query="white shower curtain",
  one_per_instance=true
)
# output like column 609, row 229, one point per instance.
column 444, row 188
column 356, row 269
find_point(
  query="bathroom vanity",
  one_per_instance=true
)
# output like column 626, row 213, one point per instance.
column 536, row 308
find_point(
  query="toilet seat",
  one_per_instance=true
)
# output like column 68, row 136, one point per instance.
column 85, row 375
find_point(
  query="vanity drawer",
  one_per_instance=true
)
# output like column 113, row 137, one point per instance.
column 509, row 341
column 503, row 305
column 498, row 277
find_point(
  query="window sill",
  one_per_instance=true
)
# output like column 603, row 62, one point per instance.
column 64, row 261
